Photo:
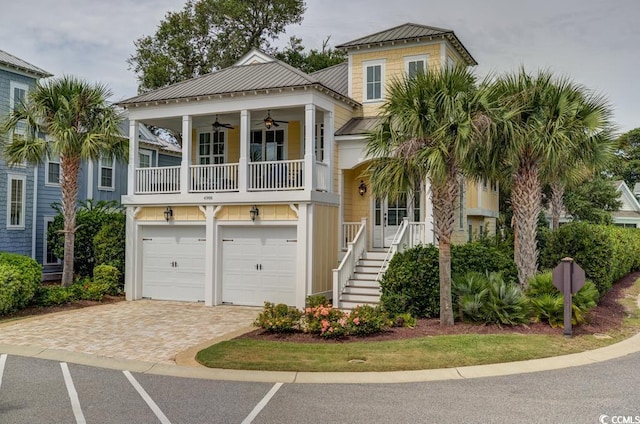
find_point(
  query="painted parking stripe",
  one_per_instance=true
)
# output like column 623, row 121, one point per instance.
column 3, row 360
column 73, row 395
column 262, row 404
column 154, row 407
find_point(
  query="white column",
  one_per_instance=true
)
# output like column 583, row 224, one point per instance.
column 209, row 293
column 187, row 128
column 309, row 147
column 340, row 210
column 428, row 214
column 304, row 266
column 328, row 147
column 133, row 159
column 243, row 167
column 130, row 255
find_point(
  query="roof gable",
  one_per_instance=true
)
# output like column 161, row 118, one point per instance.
column 254, row 56
column 18, row 64
column 629, row 201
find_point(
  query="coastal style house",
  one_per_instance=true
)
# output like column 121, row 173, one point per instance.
column 270, row 201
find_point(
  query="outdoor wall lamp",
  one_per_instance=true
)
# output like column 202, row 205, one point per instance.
column 362, row 188
column 254, row 212
column 168, row 213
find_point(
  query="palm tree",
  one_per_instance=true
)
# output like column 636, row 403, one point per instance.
column 429, row 123
column 75, row 115
column 545, row 123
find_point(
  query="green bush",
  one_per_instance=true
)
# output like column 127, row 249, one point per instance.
column 404, row 320
column 317, row 300
column 489, row 299
column 365, row 320
column 90, row 219
column 109, row 244
column 325, row 321
column 411, row 283
column 109, row 277
column 53, row 295
column 547, row 303
column 606, row 253
column 20, row 277
column 279, row 318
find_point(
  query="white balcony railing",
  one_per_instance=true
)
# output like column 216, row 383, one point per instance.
column 276, row 175
column 214, row 178
column 158, row 180
column 322, row 176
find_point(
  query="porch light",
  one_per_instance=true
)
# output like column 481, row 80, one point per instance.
column 168, row 213
column 362, row 188
column 254, row 212
column 268, row 122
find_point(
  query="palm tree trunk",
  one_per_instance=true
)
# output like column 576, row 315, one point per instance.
column 557, row 192
column 526, row 198
column 444, row 207
column 70, row 167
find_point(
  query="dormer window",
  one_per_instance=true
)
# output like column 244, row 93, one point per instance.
column 373, row 77
column 414, row 65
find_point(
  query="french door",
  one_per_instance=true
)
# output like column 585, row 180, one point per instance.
column 388, row 215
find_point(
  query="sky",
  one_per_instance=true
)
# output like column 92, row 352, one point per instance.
column 594, row 42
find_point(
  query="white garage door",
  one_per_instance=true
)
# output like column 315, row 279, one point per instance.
column 258, row 265
column 173, row 263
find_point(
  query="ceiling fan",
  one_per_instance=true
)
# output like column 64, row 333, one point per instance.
column 269, row 121
column 217, row 125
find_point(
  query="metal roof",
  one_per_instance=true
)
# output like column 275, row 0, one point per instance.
column 335, row 77
column 234, row 79
column 20, row 65
column 359, row 126
column 408, row 32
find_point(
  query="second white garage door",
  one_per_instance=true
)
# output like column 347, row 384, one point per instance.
column 258, row 265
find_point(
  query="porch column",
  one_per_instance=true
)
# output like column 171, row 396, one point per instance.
column 309, row 147
column 187, row 128
column 134, row 160
column 243, row 166
column 328, row 147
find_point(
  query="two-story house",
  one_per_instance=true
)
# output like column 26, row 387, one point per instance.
column 271, row 186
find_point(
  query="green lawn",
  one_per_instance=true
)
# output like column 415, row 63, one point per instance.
column 412, row 354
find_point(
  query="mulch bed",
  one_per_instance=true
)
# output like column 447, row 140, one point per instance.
column 608, row 315
column 43, row 310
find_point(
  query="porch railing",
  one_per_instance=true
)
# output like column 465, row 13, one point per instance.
column 214, row 178
column 346, row 269
column 349, row 231
column 158, row 180
column 276, row 175
column 409, row 234
column 322, row 176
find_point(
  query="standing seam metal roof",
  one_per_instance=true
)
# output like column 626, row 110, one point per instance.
column 21, row 65
column 335, row 77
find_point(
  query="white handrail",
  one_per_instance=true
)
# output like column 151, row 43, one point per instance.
column 349, row 231
column 400, row 240
column 346, row 269
column 322, row 176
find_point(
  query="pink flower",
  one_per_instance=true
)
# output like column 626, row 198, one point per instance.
column 356, row 321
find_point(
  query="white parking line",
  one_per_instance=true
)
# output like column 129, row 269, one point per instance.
column 3, row 359
column 262, row 404
column 154, row 407
column 73, row 395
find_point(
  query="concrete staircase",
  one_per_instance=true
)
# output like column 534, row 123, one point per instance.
column 362, row 288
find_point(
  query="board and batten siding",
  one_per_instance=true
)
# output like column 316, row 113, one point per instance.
column 325, row 247
column 267, row 213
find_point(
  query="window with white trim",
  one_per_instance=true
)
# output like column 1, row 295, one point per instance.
column 144, row 159
column 373, row 80
column 49, row 257
column 320, row 142
column 52, row 171
column 16, row 204
column 414, row 65
column 106, row 174
column 211, row 147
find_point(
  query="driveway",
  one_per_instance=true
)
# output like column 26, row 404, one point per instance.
column 146, row 330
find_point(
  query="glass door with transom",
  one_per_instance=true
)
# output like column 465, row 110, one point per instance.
column 266, row 145
column 388, row 215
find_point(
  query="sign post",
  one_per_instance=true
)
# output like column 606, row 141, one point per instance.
column 568, row 277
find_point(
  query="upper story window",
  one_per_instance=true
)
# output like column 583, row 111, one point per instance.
column 414, row 65
column 16, row 205
column 106, row 174
column 144, row 158
column 373, row 80
column 17, row 98
column 52, row 171
column 211, row 148
column 320, row 142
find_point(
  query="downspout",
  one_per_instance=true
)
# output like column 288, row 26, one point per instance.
column 34, row 218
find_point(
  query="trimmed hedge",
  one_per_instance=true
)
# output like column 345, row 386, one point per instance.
column 605, row 252
column 412, row 283
column 20, row 277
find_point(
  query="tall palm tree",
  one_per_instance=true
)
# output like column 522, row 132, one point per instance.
column 81, row 124
column 545, row 123
column 429, row 123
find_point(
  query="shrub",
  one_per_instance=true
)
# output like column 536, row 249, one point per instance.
column 483, row 257
column 109, row 244
column 53, row 295
column 326, row 321
column 20, row 278
column 109, row 277
column 404, row 320
column 279, row 318
column 365, row 320
column 317, row 300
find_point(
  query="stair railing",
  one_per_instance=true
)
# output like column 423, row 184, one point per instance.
column 347, row 267
column 400, row 240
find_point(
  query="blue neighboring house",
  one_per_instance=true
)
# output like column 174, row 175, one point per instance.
column 25, row 204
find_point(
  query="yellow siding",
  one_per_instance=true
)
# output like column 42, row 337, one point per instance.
column 355, row 206
column 492, row 200
column 452, row 54
column 471, row 194
column 325, row 247
column 294, row 141
column 267, row 213
column 180, row 213
column 194, row 146
column 341, row 116
column 393, row 68
column 233, row 145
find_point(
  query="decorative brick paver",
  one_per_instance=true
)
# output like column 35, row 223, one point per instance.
column 143, row 330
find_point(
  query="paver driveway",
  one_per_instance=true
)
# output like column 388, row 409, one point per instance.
column 146, row 330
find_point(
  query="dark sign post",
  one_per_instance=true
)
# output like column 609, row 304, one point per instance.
column 568, row 277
